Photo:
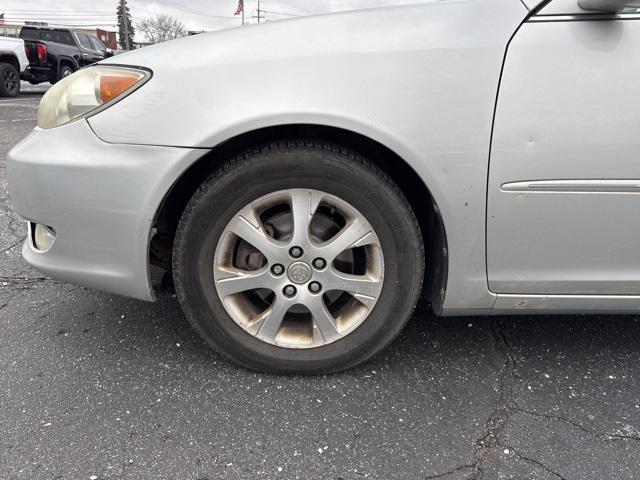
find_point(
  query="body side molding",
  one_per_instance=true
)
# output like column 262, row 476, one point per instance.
column 573, row 186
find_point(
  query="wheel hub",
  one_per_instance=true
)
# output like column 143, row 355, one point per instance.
column 299, row 273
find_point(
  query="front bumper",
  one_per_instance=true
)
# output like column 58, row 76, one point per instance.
column 101, row 198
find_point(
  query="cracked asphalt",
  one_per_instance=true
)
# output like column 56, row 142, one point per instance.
column 98, row 386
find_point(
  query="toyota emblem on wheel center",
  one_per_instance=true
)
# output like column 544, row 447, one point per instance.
column 299, row 272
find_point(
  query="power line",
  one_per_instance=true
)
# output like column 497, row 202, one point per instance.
column 59, row 14
column 59, row 19
column 55, row 12
column 65, row 25
column 196, row 12
column 281, row 13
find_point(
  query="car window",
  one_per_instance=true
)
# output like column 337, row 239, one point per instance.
column 65, row 37
column 97, row 45
column 30, row 34
column 84, row 41
column 58, row 36
column 47, row 36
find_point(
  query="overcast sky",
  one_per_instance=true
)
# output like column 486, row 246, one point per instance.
column 195, row 14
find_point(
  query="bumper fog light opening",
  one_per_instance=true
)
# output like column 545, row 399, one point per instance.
column 42, row 236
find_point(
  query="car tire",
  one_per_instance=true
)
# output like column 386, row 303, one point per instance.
column 65, row 71
column 9, row 80
column 300, row 168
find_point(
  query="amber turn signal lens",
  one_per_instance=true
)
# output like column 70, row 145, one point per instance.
column 111, row 86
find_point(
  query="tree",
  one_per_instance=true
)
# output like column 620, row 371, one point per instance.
column 125, row 26
column 162, row 28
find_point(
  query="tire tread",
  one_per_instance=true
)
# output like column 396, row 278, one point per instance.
column 243, row 160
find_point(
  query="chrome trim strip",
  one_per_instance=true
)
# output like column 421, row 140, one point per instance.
column 573, row 186
column 584, row 17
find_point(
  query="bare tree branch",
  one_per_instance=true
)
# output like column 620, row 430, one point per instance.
column 162, row 28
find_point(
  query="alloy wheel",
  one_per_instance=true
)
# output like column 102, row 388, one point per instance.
column 11, row 81
column 299, row 268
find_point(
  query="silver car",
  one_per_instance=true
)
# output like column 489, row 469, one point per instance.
column 306, row 180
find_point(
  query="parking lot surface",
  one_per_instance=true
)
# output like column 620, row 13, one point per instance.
column 98, row 386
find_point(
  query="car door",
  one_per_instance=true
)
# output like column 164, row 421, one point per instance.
column 89, row 54
column 563, row 203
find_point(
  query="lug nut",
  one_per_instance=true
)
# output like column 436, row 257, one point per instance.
column 319, row 263
column 315, row 287
column 289, row 291
column 295, row 252
column 277, row 269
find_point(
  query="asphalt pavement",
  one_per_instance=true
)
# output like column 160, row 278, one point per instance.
column 96, row 386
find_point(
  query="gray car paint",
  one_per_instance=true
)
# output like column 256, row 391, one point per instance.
column 421, row 79
column 100, row 198
column 425, row 88
column 575, row 234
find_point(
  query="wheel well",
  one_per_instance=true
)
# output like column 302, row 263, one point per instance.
column 65, row 63
column 10, row 59
column 417, row 193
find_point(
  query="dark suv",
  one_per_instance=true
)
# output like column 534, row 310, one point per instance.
column 55, row 53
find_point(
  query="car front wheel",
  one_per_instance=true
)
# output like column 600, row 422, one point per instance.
column 298, row 257
column 63, row 72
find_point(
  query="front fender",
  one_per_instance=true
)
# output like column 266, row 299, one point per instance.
column 425, row 88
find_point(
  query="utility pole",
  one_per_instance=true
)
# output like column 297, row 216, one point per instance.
column 258, row 11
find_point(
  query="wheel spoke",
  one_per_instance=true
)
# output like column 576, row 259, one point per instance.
column 229, row 282
column 357, row 285
column 248, row 228
column 323, row 320
column 272, row 319
column 303, row 205
column 355, row 234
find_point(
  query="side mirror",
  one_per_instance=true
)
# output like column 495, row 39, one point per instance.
column 608, row 6
column 108, row 52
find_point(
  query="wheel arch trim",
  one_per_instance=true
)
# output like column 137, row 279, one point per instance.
column 66, row 60
column 10, row 58
column 344, row 132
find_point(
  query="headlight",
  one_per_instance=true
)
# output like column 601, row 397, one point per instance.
column 87, row 92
